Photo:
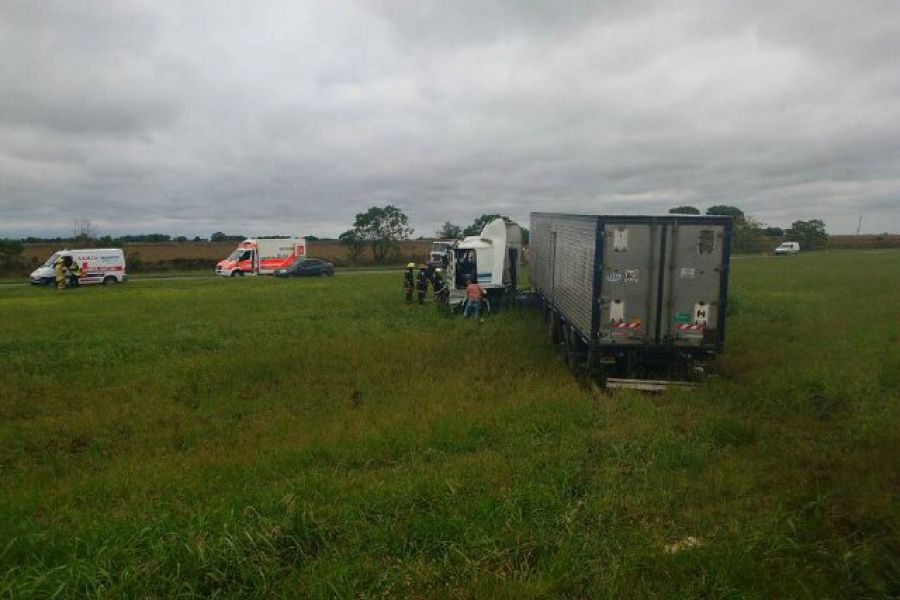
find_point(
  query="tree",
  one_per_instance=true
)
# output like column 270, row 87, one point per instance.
column 728, row 211
column 108, row 242
column 224, row 237
column 479, row 223
column 773, row 231
column 181, row 239
column 383, row 228
column 355, row 244
column 748, row 235
column 449, row 231
column 684, row 210
column 810, row 234
column 83, row 231
column 10, row 255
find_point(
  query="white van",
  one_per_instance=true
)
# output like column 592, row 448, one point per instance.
column 98, row 265
column 788, row 248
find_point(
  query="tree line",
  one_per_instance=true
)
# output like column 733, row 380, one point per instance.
column 381, row 229
column 750, row 235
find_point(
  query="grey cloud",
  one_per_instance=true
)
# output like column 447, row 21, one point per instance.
column 261, row 118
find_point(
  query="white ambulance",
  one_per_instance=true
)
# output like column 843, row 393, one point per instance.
column 98, row 265
column 262, row 256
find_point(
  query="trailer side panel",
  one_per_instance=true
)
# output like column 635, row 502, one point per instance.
column 563, row 267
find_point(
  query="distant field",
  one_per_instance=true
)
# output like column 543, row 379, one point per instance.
column 320, row 438
column 167, row 256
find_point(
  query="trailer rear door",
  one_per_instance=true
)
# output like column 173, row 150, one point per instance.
column 630, row 285
column 693, row 285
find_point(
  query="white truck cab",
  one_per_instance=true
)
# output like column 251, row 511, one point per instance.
column 490, row 259
column 98, row 265
column 788, row 248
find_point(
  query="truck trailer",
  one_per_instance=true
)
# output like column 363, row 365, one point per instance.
column 633, row 296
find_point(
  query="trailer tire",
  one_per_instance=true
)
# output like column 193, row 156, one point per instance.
column 110, row 280
column 554, row 328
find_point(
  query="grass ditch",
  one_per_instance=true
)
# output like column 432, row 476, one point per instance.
column 320, row 438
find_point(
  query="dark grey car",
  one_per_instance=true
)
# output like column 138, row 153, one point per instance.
column 307, row 267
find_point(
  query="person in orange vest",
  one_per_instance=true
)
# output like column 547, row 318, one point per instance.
column 474, row 294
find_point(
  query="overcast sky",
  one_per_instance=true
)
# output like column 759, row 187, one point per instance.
column 290, row 117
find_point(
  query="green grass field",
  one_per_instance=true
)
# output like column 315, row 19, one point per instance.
column 319, row 438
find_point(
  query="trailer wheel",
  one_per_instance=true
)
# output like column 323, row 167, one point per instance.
column 110, row 280
column 565, row 349
column 595, row 369
column 575, row 351
column 555, row 325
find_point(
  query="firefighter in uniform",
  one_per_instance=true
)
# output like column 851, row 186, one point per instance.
column 421, row 285
column 59, row 273
column 74, row 274
column 409, row 281
column 437, row 281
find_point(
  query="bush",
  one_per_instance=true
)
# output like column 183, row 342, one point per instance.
column 11, row 257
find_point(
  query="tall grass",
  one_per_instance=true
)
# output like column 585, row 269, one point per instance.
column 320, row 438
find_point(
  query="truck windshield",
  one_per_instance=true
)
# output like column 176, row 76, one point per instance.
column 51, row 260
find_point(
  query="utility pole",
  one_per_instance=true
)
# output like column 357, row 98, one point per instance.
column 859, row 225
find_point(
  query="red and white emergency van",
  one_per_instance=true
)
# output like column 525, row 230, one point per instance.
column 98, row 265
column 262, row 256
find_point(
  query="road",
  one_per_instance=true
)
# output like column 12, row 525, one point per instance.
column 139, row 279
